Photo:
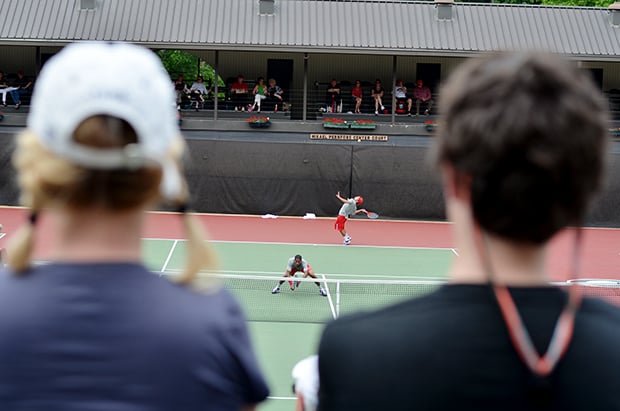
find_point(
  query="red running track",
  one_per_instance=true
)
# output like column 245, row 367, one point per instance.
column 600, row 250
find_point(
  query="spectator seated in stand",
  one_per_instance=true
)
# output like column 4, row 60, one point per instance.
column 333, row 99
column 182, row 92
column 198, row 92
column 20, row 86
column 422, row 94
column 357, row 93
column 239, row 93
column 4, row 88
column 274, row 96
column 403, row 103
column 260, row 94
column 377, row 94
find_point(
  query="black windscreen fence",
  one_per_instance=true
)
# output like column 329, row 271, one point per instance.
column 303, row 177
column 9, row 193
column 267, row 178
column 295, row 178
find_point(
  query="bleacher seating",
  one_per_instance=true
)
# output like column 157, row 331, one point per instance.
column 613, row 96
column 317, row 94
column 348, row 105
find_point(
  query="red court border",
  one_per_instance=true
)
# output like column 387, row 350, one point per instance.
column 600, row 250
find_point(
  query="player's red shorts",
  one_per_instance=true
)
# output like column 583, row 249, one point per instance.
column 339, row 226
column 293, row 270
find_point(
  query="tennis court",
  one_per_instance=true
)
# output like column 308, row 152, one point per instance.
column 286, row 326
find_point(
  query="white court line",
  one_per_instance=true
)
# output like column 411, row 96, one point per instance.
column 174, row 245
column 337, row 245
column 455, row 252
column 384, row 277
column 2, row 235
column 333, row 276
column 282, row 398
column 329, row 297
column 312, row 244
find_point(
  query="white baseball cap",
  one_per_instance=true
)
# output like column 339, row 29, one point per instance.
column 306, row 377
column 116, row 79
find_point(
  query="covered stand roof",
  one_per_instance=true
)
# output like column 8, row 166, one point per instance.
column 355, row 26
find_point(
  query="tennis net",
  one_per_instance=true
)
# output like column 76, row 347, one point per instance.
column 306, row 304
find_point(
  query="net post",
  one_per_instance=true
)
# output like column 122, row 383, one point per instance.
column 337, row 299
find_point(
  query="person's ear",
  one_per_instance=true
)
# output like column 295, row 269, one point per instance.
column 456, row 185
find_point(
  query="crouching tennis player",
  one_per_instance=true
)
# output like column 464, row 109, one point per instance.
column 298, row 265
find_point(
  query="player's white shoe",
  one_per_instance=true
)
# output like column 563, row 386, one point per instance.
column 275, row 290
column 347, row 240
column 323, row 292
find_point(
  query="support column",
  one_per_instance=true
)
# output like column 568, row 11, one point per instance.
column 394, row 61
column 305, row 96
column 216, row 74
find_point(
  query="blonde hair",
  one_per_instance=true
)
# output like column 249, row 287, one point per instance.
column 47, row 180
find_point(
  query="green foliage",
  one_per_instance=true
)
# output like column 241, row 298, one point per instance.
column 580, row 3
column 179, row 62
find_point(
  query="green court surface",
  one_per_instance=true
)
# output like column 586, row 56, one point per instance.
column 335, row 261
column 286, row 327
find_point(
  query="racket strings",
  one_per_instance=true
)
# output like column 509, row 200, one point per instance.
column 370, row 214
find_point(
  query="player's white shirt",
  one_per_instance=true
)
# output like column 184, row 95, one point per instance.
column 348, row 208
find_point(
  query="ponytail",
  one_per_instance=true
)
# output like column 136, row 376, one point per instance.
column 200, row 253
column 19, row 253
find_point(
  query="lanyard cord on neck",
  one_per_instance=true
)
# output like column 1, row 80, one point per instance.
column 521, row 340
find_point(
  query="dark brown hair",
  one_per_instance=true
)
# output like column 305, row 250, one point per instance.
column 529, row 131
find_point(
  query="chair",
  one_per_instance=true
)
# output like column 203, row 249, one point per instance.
column 401, row 106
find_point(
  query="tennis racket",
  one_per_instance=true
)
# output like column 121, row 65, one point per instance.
column 371, row 215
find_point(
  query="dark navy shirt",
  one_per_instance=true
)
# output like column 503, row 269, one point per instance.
column 450, row 350
column 117, row 337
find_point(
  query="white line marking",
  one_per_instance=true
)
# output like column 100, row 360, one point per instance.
column 2, row 235
column 333, row 276
column 282, row 398
column 174, row 245
column 455, row 252
column 310, row 244
column 329, row 297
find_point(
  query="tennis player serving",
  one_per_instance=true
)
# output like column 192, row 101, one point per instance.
column 298, row 265
column 349, row 207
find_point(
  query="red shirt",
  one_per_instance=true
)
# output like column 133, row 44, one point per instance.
column 239, row 87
